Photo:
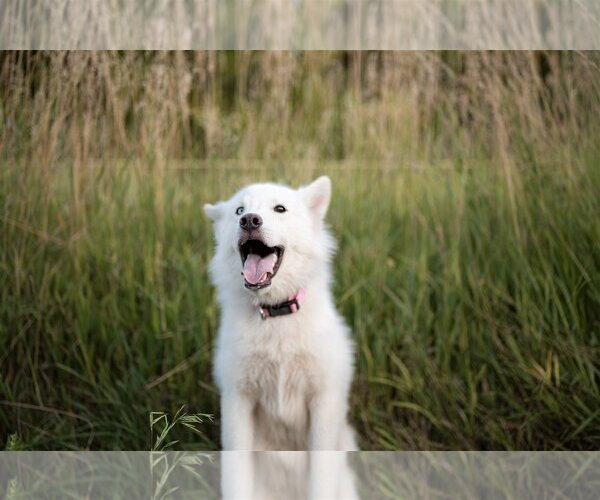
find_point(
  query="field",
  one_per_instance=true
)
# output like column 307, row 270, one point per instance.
column 466, row 207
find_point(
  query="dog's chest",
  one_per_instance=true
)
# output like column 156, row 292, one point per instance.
column 280, row 384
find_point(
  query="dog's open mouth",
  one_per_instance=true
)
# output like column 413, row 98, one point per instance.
column 260, row 262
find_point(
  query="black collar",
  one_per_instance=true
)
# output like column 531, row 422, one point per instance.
column 290, row 306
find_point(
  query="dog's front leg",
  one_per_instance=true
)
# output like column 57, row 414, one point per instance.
column 327, row 417
column 237, row 430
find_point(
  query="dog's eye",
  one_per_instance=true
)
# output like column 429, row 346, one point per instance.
column 280, row 209
column 239, row 211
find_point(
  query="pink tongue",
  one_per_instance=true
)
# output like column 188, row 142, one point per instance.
column 257, row 269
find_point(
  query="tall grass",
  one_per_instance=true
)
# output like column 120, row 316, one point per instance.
column 470, row 278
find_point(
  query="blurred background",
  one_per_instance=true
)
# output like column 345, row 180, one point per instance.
column 470, row 279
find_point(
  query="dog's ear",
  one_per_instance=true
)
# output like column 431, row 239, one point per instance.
column 317, row 195
column 215, row 211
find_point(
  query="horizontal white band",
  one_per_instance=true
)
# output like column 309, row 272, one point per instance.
column 300, row 24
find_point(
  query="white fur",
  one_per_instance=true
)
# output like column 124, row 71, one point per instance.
column 284, row 381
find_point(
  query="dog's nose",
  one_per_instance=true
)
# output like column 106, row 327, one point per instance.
column 248, row 222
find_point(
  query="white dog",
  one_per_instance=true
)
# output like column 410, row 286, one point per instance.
column 284, row 356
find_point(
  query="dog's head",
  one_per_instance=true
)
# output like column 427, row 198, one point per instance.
column 270, row 239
